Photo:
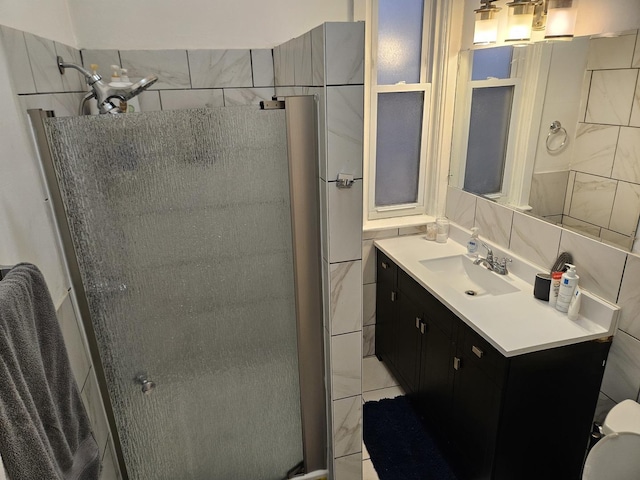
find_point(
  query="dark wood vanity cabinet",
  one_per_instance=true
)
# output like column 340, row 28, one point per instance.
column 522, row 417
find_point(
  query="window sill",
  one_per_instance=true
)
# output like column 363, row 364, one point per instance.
column 397, row 222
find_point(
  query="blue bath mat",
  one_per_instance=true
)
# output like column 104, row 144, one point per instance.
column 399, row 445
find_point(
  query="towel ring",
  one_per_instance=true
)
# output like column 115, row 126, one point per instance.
column 554, row 129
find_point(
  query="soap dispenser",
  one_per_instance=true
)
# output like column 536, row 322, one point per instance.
column 568, row 285
column 472, row 244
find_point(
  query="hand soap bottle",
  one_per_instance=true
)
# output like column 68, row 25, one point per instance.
column 568, row 285
column 472, row 244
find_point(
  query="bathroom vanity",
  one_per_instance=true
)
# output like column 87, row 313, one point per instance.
column 507, row 385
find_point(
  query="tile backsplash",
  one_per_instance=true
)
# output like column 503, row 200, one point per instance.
column 604, row 270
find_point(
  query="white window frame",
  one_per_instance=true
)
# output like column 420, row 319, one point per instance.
column 372, row 89
column 526, row 114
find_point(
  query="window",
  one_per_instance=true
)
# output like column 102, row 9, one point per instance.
column 399, row 106
column 488, row 93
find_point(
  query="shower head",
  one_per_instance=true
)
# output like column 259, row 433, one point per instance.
column 105, row 92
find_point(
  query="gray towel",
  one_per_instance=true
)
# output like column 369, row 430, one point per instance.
column 45, row 433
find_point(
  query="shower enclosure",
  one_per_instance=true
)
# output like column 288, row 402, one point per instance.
column 192, row 237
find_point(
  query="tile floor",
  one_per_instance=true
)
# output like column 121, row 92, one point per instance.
column 377, row 383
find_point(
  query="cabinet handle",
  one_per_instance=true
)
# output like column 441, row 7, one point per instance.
column 457, row 363
column 393, row 296
column 385, row 265
column 478, row 353
column 422, row 327
column 418, row 321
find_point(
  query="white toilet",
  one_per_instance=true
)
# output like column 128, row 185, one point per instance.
column 617, row 455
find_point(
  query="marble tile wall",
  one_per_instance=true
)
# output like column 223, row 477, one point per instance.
column 605, row 270
column 325, row 62
column 38, row 84
column 84, row 374
column 187, row 78
column 603, row 189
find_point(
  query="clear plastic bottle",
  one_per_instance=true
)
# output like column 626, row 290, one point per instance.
column 472, row 244
column 554, row 288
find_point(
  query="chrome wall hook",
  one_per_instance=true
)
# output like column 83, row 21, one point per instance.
column 344, row 180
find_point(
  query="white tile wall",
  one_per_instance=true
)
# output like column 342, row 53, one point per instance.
column 494, row 221
column 344, row 53
column 535, row 239
column 368, row 262
column 171, row 67
column 611, row 53
column 302, row 69
column 347, row 426
column 247, row 96
column 600, row 267
column 262, row 67
column 368, row 340
column 626, row 209
column 345, row 222
column 461, row 207
column 71, row 331
column 18, row 58
column 592, row 199
column 548, row 193
column 345, row 121
column 635, row 110
column 103, row 58
column 611, row 96
column 180, row 99
column 629, row 298
column 95, row 409
column 346, row 365
column 369, row 304
column 150, row 101
column 349, row 467
column 72, row 80
column 42, row 55
column 346, row 295
column 622, row 373
column 595, row 148
column 626, row 166
column 317, row 55
column 220, row 68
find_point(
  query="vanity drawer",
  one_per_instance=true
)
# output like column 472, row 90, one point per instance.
column 386, row 269
column 476, row 349
column 433, row 309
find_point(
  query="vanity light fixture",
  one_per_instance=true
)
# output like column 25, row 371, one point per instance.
column 520, row 20
column 540, row 15
column 561, row 19
column 486, row 26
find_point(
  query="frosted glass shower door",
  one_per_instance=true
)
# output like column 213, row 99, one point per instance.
column 181, row 225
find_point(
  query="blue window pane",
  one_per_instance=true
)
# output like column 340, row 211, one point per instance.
column 488, row 134
column 399, row 41
column 398, row 147
column 492, row 62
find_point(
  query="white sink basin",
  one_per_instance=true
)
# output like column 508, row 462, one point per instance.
column 459, row 272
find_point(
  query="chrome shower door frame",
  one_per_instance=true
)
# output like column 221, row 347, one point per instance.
column 302, row 132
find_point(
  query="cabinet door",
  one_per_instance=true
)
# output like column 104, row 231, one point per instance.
column 436, row 376
column 408, row 325
column 385, row 308
column 476, row 405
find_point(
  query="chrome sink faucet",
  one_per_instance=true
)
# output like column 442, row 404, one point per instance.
column 498, row 266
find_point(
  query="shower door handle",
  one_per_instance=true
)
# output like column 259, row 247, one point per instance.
column 147, row 385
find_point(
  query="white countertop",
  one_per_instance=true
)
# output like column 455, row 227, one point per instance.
column 515, row 323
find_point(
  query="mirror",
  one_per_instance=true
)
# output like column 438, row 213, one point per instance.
column 556, row 134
